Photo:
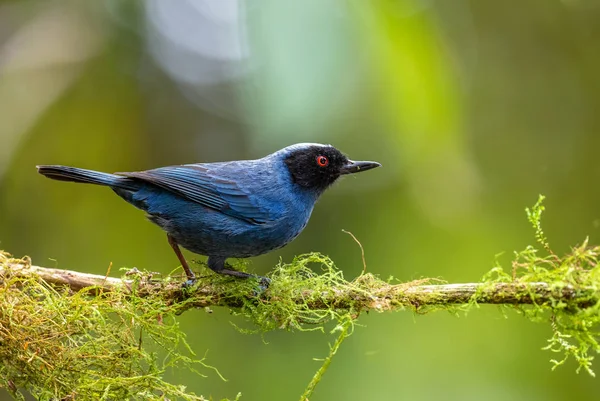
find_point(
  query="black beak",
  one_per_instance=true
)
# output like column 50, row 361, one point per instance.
column 356, row 167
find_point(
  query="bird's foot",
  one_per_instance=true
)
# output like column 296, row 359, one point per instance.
column 264, row 282
column 186, row 290
column 189, row 283
column 263, row 285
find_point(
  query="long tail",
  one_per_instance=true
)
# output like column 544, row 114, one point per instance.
column 74, row 174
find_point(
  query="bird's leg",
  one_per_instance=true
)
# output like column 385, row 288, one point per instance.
column 218, row 266
column 188, row 272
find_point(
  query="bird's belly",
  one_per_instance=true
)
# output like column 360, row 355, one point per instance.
column 209, row 232
column 239, row 240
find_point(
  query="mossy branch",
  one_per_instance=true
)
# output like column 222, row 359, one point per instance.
column 94, row 335
column 367, row 293
column 75, row 336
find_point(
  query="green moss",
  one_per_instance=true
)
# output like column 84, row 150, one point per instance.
column 72, row 346
column 575, row 318
column 301, row 299
column 344, row 330
column 56, row 344
column 108, row 346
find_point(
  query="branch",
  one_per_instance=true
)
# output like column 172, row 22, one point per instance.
column 95, row 336
column 54, row 326
column 380, row 297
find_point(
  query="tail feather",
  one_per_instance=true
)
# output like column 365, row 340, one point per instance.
column 74, row 174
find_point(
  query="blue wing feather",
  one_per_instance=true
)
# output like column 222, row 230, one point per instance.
column 201, row 184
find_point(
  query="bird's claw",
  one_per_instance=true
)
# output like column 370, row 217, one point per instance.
column 189, row 283
column 263, row 285
column 264, row 281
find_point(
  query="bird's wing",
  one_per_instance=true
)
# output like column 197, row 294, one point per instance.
column 205, row 185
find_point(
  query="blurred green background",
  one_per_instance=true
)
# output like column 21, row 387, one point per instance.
column 472, row 107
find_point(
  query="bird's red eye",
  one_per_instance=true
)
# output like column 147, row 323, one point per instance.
column 322, row 161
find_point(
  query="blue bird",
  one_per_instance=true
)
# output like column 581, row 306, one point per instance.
column 235, row 209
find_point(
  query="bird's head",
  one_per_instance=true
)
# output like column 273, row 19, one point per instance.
column 315, row 166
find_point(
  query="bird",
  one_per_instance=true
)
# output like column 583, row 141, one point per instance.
column 234, row 209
